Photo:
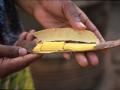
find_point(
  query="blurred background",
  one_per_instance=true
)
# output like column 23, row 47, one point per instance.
column 52, row 72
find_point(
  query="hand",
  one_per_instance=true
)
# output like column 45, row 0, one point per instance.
column 13, row 58
column 63, row 13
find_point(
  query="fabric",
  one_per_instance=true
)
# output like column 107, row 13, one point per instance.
column 10, row 29
column 9, row 24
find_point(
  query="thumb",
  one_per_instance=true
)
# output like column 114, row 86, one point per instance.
column 11, row 51
column 72, row 13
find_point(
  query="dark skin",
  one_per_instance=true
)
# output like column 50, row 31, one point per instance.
column 16, row 58
column 49, row 13
column 63, row 13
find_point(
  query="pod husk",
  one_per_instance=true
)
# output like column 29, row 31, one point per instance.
column 66, row 34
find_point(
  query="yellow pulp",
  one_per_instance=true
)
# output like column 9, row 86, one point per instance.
column 48, row 47
column 78, row 46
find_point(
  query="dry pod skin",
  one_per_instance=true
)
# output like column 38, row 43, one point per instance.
column 64, row 40
column 66, row 34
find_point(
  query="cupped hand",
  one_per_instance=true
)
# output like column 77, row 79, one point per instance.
column 63, row 13
column 13, row 58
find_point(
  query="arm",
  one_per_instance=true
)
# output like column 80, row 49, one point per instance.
column 63, row 13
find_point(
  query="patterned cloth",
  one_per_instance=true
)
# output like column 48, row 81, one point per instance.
column 9, row 23
column 9, row 31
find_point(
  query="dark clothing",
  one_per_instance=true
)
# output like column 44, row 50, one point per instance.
column 9, row 24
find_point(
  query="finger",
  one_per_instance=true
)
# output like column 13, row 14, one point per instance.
column 92, row 57
column 92, row 27
column 17, row 64
column 11, row 51
column 66, row 56
column 24, row 61
column 73, row 16
column 21, row 38
column 30, row 36
column 81, row 59
column 89, row 24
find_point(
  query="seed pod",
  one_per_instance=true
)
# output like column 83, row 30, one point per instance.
column 64, row 40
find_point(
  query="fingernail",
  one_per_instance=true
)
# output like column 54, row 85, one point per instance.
column 67, row 56
column 82, row 25
column 22, row 51
column 32, row 31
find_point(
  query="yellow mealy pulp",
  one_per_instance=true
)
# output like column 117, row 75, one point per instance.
column 62, row 46
column 79, row 46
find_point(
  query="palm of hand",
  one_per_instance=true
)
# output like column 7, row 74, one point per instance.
column 65, row 14
column 50, row 14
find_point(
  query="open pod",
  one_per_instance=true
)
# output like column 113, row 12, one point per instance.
column 64, row 40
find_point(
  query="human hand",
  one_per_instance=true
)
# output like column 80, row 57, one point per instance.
column 13, row 58
column 63, row 13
